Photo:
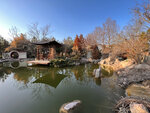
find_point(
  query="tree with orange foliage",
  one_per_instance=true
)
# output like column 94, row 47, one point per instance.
column 18, row 43
column 76, row 45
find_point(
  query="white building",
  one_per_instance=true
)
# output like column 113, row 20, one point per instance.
column 14, row 55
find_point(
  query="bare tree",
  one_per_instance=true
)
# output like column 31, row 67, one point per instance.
column 33, row 30
column 143, row 11
column 14, row 32
column 110, row 31
column 135, row 48
column 91, row 40
column 132, row 42
column 105, row 36
column 45, row 31
column 39, row 33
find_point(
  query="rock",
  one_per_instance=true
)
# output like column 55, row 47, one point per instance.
column 138, row 90
column 69, row 107
column 142, row 66
column 94, row 61
column 133, row 74
column 138, row 108
column 84, row 61
column 94, row 72
column 97, row 73
column 105, row 61
column 146, row 83
column 116, row 64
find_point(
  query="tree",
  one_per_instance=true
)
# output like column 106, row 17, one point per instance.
column 14, row 32
column 90, row 40
column 68, row 41
column 132, row 43
column 38, row 33
column 142, row 11
column 76, row 45
column 82, row 40
column 68, row 44
column 34, row 40
column 95, row 52
column 133, row 40
column 110, row 31
column 18, row 43
column 21, row 43
column 106, row 36
column 3, row 44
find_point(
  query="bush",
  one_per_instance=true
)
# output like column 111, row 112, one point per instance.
column 62, row 62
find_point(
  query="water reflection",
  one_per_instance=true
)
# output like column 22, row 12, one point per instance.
column 51, row 87
column 52, row 80
column 49, row 76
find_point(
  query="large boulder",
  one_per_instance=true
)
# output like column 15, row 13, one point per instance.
column 116, row 64
column 133, row 74
column 69, row 107
column 138, row 108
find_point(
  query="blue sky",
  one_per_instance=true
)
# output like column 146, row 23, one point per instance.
column 66, row 17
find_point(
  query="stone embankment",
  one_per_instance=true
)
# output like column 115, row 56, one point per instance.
column 133, row 74
column 136, row 80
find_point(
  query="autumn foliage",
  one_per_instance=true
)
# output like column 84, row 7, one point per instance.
column 95, row 53
column 17, row 43
column 78, row 43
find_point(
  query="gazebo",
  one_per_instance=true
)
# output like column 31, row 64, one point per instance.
column 46, row 50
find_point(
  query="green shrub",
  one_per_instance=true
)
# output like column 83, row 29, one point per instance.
column 61, row 62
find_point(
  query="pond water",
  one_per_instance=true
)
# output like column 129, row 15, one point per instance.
column 44, row 89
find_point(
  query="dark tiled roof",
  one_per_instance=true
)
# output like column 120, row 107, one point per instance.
column 47, row 43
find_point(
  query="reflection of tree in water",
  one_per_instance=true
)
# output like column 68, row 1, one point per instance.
column 22, row 75
column 38, row 79
column 46, row 77
column 98, row 81
column 80, row 71
column 83, row 76
column 89, row 69
column 4, row 74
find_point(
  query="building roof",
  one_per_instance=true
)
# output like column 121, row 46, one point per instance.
column 48, row 43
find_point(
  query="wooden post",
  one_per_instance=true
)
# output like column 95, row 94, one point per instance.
column 37, row 53
column 49, row 54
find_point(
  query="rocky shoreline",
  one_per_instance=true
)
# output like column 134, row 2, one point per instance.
column 134, row 79
column 128, row 74
column 133, row 74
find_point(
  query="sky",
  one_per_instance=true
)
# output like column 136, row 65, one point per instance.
column 66, row 17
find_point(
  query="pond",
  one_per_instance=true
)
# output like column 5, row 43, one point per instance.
column 43, row 89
